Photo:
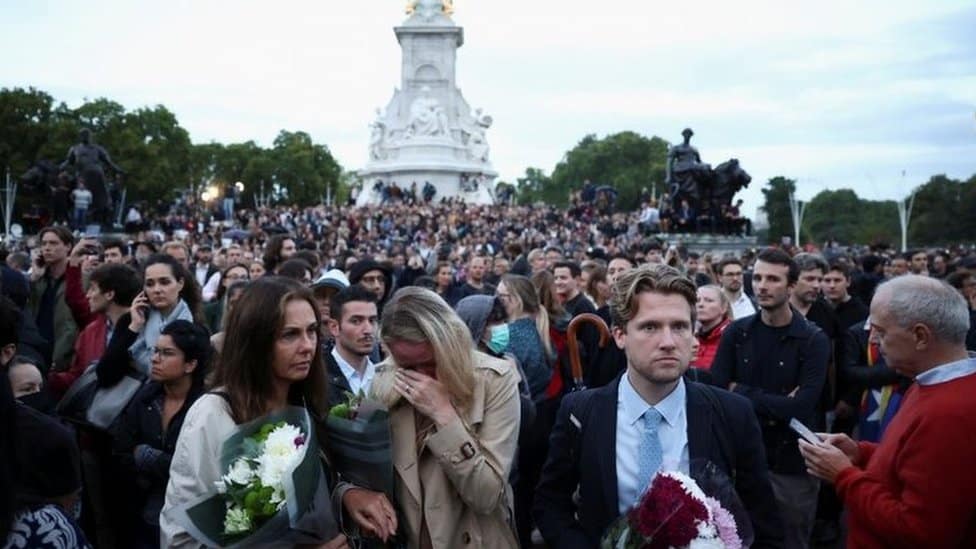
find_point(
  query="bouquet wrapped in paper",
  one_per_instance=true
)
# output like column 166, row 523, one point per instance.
column 674, row 512
column 360, row 445
column 273, row 491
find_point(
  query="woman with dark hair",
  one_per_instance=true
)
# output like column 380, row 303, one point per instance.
column 271, row 359
column 297, row 269
column 280, row 248
column 164, row 298
column 597, row 287
column 214, row 311
column 146, row 434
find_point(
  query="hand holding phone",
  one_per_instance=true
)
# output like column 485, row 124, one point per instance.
column 139, row 312
column 805, row 433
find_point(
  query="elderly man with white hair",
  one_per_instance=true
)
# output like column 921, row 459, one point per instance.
column 917, row 487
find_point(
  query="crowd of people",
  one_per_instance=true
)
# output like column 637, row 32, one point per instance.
column 459, row 319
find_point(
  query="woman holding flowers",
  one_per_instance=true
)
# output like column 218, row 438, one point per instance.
column 454, row 415
column 270, row 361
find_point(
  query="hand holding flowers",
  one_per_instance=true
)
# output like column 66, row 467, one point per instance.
column 253, row 487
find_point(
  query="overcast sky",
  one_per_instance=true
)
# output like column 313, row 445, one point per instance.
column 833, row 94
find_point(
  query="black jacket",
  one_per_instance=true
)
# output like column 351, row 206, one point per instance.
column 338, row 385
column 767, row 377
column 722, row 430
column 857, row 375
column 142, row 423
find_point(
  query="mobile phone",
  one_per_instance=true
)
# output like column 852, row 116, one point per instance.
column 804, row 432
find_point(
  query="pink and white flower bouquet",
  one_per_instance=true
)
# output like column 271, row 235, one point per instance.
column 674, row 512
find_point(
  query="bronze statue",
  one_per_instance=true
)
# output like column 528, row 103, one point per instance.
column 685, row 172
column 705, row 189
column 86, row 158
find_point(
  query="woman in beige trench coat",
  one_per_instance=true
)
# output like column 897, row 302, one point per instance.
column 454, row 415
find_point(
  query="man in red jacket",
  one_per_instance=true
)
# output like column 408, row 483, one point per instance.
column 916, row 488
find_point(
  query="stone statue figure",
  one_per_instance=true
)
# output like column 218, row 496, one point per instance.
column 473, row 135
column 430, row 7
column 427, row 117
column 86, row 158
column 377, row 138
column 684, row 170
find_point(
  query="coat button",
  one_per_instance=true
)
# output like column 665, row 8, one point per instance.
column 465, row 538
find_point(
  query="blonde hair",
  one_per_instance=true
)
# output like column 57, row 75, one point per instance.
column 522, row 288
column 656, row 278
column 722, row 298
column 418, row 315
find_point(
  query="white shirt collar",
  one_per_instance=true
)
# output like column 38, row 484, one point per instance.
column 948, row 372
column 349, row 371
column 634, row 405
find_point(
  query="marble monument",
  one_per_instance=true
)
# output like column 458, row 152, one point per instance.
column 428, row 133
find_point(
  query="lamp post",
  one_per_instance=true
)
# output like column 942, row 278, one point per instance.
column 904, row 216
column 796, row 212
column 9, row 196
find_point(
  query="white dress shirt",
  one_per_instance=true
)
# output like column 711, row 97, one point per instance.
column 210, row 288
column 742, row 307
column 201, row 271
column 673, row 434
column 356, row 380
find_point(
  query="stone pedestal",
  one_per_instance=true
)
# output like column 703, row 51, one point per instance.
column 428, row 132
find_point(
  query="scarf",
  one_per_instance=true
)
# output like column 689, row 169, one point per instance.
column 141, row 351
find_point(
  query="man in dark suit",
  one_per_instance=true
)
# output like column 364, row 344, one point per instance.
column 609, row 442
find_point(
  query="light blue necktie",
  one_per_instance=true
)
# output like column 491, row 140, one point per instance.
column 650, row 453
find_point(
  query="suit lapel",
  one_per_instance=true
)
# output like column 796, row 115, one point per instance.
column 603, row 418
column 404, row 439
column 699, row 423
column 336, row 377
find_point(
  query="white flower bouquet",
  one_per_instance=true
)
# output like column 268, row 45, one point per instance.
column 272, row 491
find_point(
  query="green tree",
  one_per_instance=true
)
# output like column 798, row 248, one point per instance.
column 627, row 161
column 154, row 150
column 776, row 205
column 841, row 215
column 943, row 212
column 25, row 122
column 534, row 186
column 303, row 169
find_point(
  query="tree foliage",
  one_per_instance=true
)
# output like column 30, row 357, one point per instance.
column 841, row 215
column 627, row 161
column 536, row 186
column 156, row 152
column 776, row 205
column 942, row 214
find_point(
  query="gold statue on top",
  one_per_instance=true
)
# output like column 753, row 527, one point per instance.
column 447, row 6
